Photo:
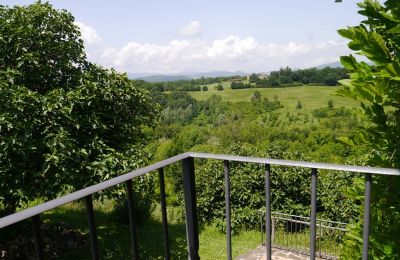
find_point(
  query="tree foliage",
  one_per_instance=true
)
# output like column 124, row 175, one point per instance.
column 64, row 123
column 376, row 85
column 286, row 77
column 43, row 45
column 290, row 189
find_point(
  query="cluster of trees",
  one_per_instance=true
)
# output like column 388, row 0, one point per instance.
column 187, row 85
column 239, row 85
column 260, row 128
column 313, row 76
column 284, row 77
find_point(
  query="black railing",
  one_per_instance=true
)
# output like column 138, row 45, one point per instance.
column 291, row 233
column 192, row 233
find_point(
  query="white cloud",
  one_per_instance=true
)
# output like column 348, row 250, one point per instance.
column 232, row 47
column 89, row 34
column 230, row 53
column 191, row 30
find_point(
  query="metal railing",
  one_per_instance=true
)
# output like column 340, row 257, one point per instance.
column 189, row 192
column 292, row 233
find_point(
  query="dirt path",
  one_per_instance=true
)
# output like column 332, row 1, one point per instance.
column 277, row 254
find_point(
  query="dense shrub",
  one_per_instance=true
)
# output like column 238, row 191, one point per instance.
column 239, row 85
column 142, row 203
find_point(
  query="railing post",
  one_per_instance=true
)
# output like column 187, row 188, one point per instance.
column 132, row 225
column 313, row 213
column 189, row 192
column 164, row 212
column 228, row 211
column 38, row 237
column 367, row 213
column 268, row 210
column 261, row 227
column 92, row 227
column 273, row 232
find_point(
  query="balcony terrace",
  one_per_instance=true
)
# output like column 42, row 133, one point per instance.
column 189, row 187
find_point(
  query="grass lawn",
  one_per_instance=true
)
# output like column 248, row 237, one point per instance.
column 114, row 238
column 311, row 97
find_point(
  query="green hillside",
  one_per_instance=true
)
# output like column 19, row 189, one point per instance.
column 311, row 97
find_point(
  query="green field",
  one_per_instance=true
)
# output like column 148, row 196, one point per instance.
column 311, row 97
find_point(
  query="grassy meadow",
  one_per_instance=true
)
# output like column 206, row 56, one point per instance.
column 114, row 237
column 311, row 97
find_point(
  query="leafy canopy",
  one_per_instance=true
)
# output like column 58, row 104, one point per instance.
column 64, row 123
column 376, row 86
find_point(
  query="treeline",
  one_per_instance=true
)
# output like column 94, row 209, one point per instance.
column 187, row 85
column 258, row 127
column 286, row 77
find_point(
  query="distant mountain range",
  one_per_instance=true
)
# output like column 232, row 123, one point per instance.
column 149, row 77
column 336, row 64
column 153, row 77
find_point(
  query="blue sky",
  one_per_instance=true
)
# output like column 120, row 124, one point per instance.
column 191, row 36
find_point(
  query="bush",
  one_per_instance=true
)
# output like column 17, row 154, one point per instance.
column 142, row 203
column 290, row 189
column 219, row 87
column 272, row 105
column 239, row 85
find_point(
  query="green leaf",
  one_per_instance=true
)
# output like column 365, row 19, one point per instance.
column 394, row 30
column 349, row 62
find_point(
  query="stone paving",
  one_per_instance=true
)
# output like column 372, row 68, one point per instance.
column 277, row 254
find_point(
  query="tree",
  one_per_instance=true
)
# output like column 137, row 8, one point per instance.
column 43, row 45
column 299, row 105
column 253, row 78
column 219, row 87
column 330, row 103
column 204, row 88
column 375, row 86
column 256, row 97
column 64, row 123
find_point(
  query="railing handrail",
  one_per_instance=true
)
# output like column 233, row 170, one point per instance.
column 325, row 166
column 35, row 210
column 298, row 216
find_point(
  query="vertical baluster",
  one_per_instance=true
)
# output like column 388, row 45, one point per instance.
column 327, row 227
column 304, row 237
column 132, row 224
column 189, row 193
column 291, row 234
column 228, row 211
column 296, row 226
column 320, row 238
column 367, row 213
column 273, row 231
column 261, row 227
column 334, row 239
column 92, row 227
column 268, row 210
column 283, row 231
column 37, row 235
column 313, row 212
column 164, row 213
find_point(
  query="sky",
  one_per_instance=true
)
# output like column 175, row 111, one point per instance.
column 181, row 36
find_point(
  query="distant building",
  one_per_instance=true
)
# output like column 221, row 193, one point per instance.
column 262, row 76
column 259, row 75
column 235, row 80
